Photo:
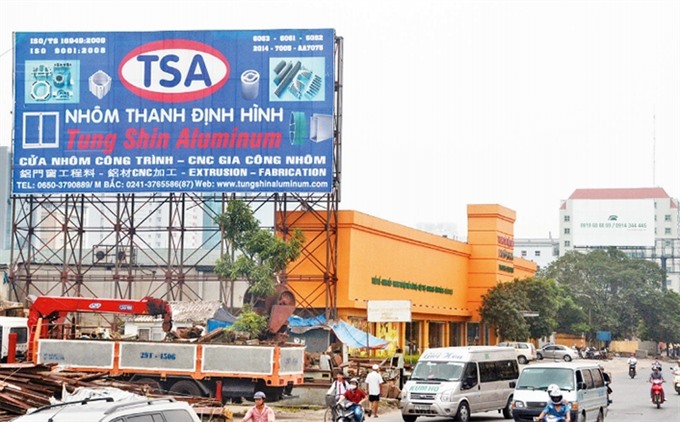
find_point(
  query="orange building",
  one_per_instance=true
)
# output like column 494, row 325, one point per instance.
column 443, row 278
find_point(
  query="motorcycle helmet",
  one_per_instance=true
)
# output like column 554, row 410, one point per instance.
column 555, row 393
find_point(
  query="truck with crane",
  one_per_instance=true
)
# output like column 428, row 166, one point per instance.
column 219, row 370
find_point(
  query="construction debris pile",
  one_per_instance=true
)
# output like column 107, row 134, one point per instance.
column 25, row 386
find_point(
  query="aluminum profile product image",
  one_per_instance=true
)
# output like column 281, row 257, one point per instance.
column 320, row 127
column 288, row 77
column 99, row 84
column 314, row 87
column 250, row 84
column 298, row 128
column 294, row 80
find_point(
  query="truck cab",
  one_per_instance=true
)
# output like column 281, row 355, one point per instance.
column 13, row 325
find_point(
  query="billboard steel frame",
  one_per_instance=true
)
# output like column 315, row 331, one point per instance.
column 49, row 255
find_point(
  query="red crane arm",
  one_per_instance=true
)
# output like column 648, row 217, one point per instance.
column 55, row 308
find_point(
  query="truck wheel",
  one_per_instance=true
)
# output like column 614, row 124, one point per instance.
column 185, row 388
column 463, row 414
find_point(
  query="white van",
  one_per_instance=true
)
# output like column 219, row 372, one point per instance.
column 582, row 384
column 457, row 381
column 16, row 325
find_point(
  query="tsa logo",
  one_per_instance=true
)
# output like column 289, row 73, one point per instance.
column 174, row 70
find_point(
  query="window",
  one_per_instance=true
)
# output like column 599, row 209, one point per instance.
column 498, row 371
column 667, row 217
column 567, row 230
column 537, row 253
column 667, row 230
column 21, row 332
column 470, row 374
column 142, row 418
column 177, row 415
column 587, row 378
column 566, row 219
column 41, row 130
column 567, row 243
column 597, row 378
column 524, row 253
column 487, row 372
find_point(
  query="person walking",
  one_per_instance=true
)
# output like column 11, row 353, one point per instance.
column 260, row 412
column 373, row 380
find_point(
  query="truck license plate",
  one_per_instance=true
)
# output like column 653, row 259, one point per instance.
column 422, row 408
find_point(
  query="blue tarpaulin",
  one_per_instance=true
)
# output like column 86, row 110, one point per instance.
column 354, row 337
column 346, row 333
column 296, row 321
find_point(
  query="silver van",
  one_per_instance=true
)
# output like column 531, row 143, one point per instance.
column 105, row 409
column 582, row 384
column 455, row 382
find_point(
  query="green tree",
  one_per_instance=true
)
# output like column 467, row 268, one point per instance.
column 506, row 306
column 502, row 307
column 254, row 254
column 660, row 313
column 609, row 287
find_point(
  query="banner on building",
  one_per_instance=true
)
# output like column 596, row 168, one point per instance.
column 389, row 311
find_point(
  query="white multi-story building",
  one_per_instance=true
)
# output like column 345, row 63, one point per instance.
column 641, row 222
column 540, row 251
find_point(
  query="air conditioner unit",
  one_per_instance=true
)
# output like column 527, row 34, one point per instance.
column 111, row 255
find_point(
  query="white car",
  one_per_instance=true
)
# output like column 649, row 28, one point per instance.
column 105, row 409
column 525, row 351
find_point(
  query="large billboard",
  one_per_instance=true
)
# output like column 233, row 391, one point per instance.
column 180, row 111
column 612, row 222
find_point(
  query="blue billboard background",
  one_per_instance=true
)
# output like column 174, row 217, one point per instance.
column 184, row 111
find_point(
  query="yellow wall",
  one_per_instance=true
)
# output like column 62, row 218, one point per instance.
column 377, row 259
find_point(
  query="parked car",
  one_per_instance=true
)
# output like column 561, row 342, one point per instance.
column 525, row 351
column 106, row 410
column 557, row 351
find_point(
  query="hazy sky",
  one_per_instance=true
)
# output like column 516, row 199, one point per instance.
column 449, row 103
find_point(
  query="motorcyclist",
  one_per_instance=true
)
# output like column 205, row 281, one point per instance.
column 656, row 375
column 632, row 364
column 676, row 369
column 355, row 395
column 556, row 406
column 656, row 363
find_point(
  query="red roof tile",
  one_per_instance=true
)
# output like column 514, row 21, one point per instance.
column 620, row 193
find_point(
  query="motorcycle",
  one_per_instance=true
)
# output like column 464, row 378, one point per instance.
column 344, row 412
column 657, row 392
column 631, row 370
column 550, row 418
column 676, row 380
